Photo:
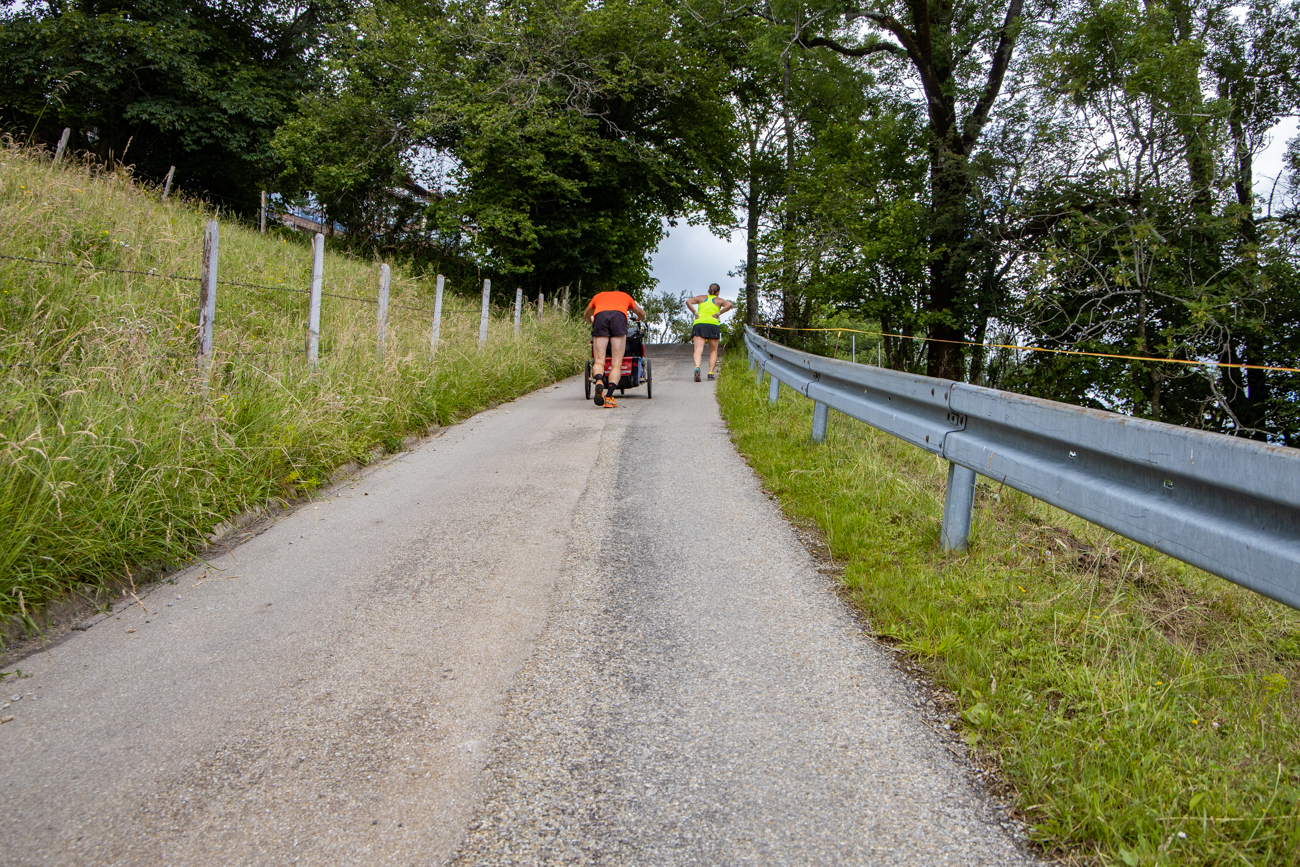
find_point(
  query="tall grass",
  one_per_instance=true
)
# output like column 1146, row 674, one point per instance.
column 111, row 456
column 1146, row 712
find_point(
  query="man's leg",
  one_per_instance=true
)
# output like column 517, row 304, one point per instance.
column 599, row 345
column 616, row 347
column 699, row 350
column 713, row 355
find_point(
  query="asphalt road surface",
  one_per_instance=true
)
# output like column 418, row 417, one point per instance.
column 554, row 634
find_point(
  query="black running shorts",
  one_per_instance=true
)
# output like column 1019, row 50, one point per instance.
column 609, row 323
column 708, row 332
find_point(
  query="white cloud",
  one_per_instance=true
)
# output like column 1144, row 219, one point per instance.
column 692, row 257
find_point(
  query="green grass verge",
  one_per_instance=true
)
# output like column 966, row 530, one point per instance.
column 112, row 458
column 1145, row 712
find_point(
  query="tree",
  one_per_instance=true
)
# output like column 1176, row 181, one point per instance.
column 199, row 85
column 576, row 130
column 960, row 53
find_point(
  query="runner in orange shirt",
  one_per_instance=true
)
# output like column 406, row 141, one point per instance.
column 607, row 313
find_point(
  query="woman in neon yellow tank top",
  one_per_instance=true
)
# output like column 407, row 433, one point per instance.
column 707, row 310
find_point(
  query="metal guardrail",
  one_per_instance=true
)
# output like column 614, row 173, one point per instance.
column 1229, row 506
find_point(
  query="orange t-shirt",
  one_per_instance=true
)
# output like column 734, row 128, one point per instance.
column 620, row 301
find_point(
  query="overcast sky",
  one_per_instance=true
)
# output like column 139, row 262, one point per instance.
column 692, row 257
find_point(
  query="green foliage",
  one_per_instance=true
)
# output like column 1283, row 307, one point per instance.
column 201, row 86
column 577, row 129
column 571, row 131
column 1143, row 712
column 111, row 458
column 352, row 145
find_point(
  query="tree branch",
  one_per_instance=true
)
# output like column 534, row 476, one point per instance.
column 862, row 51
column 997, row 71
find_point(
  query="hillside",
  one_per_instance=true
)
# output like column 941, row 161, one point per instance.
column 114, row 462
column 1139, row 710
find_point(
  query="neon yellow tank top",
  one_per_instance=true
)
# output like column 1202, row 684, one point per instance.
column 707, row 312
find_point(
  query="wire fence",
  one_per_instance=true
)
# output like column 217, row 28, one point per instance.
column 238, row 283
column 1046, row 349
column 209, row 282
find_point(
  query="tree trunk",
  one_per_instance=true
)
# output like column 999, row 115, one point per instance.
column 949, row 189
column 790, row 307
column 753, row 214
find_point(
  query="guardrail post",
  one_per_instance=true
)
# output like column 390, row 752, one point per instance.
column 483, row 317
column 773, row 389
column 437, row 317
column 758, row 375
column 519, row 306
column 958, row 503
column 313, row 314
column 821, row 414
column 207, row 301
column 385, row 276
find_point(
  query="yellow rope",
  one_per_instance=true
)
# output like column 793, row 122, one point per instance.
column 1044, row 349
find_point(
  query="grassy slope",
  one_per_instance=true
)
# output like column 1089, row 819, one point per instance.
column 1146, row 712
column 110, row 458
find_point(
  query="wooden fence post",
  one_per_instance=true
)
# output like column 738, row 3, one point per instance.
column 437, row 317
column 313, row 315
column 519, row 306
column 385, row 276
column 167, row 184
column 541, row 305
column 483, row 317
column 262, row 219
column 63, row 143
column 207, row 301
column 564, row 300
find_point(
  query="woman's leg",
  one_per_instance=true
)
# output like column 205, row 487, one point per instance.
column 699, row 349
column 713, row 355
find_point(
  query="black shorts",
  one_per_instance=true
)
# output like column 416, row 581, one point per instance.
column 708, row 332
column 609, row 323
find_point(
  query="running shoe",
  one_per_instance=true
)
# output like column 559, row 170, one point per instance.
column 599, row 397
column 711, row 377
column 609, row 403
column 697, row 374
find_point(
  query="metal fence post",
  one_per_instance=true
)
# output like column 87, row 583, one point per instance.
column 773, row 389
column 483, row 317
column 313, row 314
column 821, row 414
column 519, row 306
column 437, row 317
column 541, row 305
column 207, row 301
column 385, row 276
column 958, row 503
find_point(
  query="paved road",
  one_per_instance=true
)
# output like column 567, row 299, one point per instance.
column 554, row 634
